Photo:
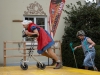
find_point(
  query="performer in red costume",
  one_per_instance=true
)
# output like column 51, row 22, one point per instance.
column 44, row 39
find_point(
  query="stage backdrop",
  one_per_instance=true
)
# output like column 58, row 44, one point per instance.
column 55, row 11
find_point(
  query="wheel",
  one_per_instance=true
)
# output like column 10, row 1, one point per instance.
column 38, row 65
column 25, row 67
column 42, row 66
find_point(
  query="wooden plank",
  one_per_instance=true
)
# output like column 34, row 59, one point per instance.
column 17, row 20
column 23, row 48
column 57, row 41
column 18, row 56
column 14, row 56
column 21, row 41
column 14, row 41
column 18, row 49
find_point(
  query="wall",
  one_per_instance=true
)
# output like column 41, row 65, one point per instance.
column 11, row 31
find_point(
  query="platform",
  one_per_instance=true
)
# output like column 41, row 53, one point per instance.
column 33, row 70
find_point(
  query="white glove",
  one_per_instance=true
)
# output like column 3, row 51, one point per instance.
column 90, row 46
column 75, row 48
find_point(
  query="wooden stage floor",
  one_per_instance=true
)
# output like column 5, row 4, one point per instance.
column 33, row 70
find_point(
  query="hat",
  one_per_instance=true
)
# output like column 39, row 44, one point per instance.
column 81, row 32
column 26, row 22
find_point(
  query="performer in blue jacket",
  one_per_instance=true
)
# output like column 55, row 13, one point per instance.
column 88, row 48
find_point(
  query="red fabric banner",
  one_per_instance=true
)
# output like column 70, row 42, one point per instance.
column 55, row 11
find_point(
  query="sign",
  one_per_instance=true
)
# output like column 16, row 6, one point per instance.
column 55, row 11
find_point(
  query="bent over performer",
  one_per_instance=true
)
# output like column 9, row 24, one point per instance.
column 88, row 48
column 44, row 41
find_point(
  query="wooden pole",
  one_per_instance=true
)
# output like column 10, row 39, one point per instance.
column 24, row 46
column 4, row 54
column 60, row 51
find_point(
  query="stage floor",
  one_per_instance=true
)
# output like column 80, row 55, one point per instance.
column 33, row 70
